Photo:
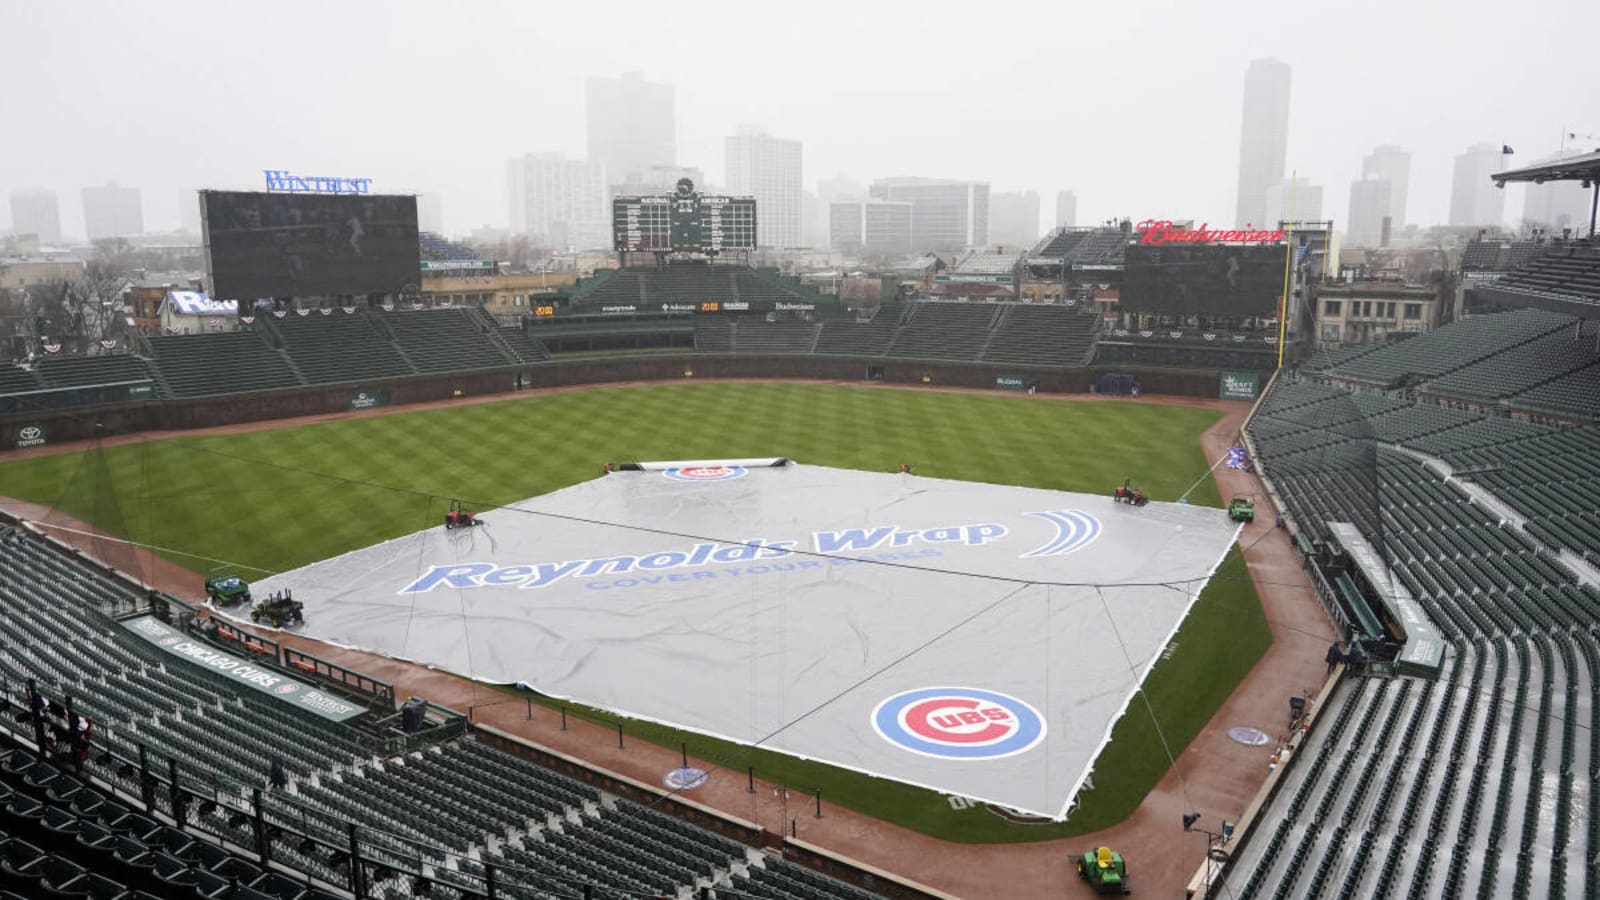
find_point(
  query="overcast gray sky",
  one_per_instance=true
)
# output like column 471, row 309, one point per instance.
column 1134, row 105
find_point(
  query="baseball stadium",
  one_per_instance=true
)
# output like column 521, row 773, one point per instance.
column 692, row 580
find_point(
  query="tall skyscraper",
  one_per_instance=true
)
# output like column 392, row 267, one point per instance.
column 1393, row 165
column 1263, row 137
column 1013, row 219
column 1474, row 200
column 37, row 212
column 632, row 124
column 1066, row 209
column 1293, row 199
column 112, row 211
column 768, row 169
column 946, row 215
column 1371, row 200
column 558, row 201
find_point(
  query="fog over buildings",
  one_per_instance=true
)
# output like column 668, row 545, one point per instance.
column 1161, row 121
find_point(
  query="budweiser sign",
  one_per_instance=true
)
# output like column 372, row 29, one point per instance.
column 1162, row 231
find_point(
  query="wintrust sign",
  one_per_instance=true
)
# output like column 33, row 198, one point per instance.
column 1163, row 231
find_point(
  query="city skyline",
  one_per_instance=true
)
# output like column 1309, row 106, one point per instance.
column 510, row 57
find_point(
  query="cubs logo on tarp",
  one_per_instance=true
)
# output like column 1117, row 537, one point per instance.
column 706, row 473
column 958, row 723
column 1075, row 530
column 287, row 687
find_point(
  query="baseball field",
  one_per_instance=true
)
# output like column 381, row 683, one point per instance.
column 270, row 500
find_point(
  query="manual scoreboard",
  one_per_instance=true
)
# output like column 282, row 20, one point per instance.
column 683, row 222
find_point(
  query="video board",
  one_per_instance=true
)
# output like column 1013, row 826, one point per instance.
column 261, row 245
column 1203, row 279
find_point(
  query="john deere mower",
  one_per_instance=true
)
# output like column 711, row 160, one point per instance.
column 278, row 610
column 1242, row 508
column 1104, row 870
column 224, row 589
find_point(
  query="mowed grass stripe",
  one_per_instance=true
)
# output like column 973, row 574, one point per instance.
column 281, row 498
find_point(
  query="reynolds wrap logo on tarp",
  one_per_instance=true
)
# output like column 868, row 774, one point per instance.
column 1074, row 529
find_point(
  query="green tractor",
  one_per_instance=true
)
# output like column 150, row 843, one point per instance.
column 279, row 609
column 1242, row 508
column 225, row 589
column 1105, row 871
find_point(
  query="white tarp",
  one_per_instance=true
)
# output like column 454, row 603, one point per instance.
column 892, row 624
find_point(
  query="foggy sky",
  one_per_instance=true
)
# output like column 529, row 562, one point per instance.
column 1134, row 106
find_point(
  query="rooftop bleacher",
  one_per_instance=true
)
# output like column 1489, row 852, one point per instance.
column 438, row 248
column 1567, row 274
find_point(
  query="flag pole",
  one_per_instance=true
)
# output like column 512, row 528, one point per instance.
column 1288, row 257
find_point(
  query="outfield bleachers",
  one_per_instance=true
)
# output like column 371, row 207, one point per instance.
column 15, row 379
column 427, row 822
column 446, row 340
column 755, row 336
column 86, row 371
column 339, row 348
column 1043, row 335
column 1575, row 395
column 846, row 338
column 228, row 362
column 945, row 331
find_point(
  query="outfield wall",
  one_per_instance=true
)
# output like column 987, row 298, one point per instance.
column 55, row 426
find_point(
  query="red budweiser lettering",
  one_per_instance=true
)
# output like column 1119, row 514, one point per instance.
column 1162, row 231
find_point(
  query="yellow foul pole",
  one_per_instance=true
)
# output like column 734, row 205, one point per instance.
column 1288, row 259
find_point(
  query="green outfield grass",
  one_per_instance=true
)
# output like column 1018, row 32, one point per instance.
column 281, row 498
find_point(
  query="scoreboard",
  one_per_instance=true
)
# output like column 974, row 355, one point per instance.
column 641, row 223
column 683, row 222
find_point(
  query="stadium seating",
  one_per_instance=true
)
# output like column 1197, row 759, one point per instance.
column 84, row 371
column 436, row 247
column 1447, row 349
column 1522, row 367
column 1043, row 335
column 339, row 348
column 1407, row 800
column 199, row 365
column 524, row 343
column 427, row 822
column 444, row 340
column 756, row 336
column 843, row 338
column 15, row 379
column 945, row 331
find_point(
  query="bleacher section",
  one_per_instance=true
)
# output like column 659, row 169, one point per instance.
column 1575, row 395
column 1566, row 275
column 429, row 822
column 437, row 248
column 1523, row 367
column 338, row 348
column 1447, row 349
column 201, row 365
column 444, row 340
column 85, row 371
column 524, row 343
column 1043, row 335
column 950, row 331
column 756, row 336
column 649, row 287
column 15, row 379
column 873, row 338
column 1465, row 786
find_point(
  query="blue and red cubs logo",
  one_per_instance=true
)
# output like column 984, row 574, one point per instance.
column 288, row 687
column 706, row 473
column 169, row 640
column 958, row 723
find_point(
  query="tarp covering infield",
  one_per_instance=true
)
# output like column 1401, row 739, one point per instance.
column 891, row 624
